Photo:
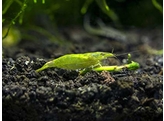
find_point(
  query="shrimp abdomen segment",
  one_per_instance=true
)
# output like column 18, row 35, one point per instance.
column 73, row 62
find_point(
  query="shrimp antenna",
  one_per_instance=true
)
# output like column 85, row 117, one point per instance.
column 135, row 51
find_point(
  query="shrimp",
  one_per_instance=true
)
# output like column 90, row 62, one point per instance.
column 77, row 61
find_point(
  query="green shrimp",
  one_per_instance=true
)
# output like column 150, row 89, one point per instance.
column 77, row 61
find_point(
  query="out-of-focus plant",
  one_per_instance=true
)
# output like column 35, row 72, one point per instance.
column 27, row 13
column 13, row 37
column 14, row 12
column 157, row 5
column 7, row 6
column 19, row 15
column 104, row 7
column 43, row 1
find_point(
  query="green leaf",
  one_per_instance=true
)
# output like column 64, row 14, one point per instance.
column 105, row 8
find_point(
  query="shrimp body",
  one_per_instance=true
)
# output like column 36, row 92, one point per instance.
column 77, row 61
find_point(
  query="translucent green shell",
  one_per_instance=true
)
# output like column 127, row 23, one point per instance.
column 77, row 61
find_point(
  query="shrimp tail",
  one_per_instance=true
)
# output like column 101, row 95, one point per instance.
column 45, row 66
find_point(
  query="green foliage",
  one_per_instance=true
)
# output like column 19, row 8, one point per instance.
column 13, row 38
column 43, row 1
column 7, row 5
column 157, row 5
column 68, row 12
column 103, row 6
column 19, row 15
column 85, row 6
